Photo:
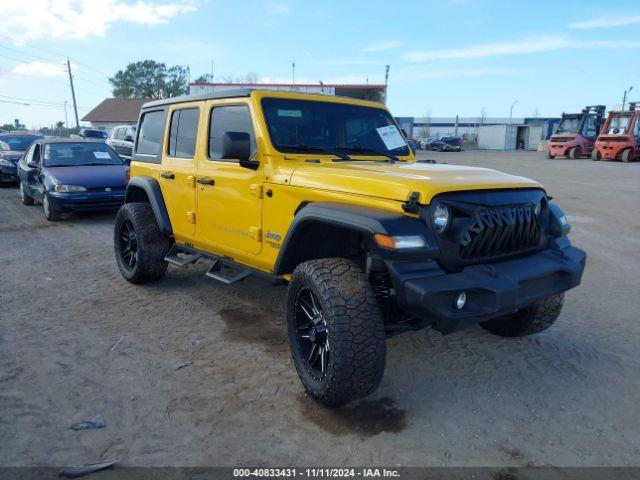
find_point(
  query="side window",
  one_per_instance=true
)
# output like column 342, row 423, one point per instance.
column 636, row 129
column 119, row 133
column 151, row 130
column 233, row 118
column 184, row 129
column 29, row 154
column 129, row 133
column 36, row 154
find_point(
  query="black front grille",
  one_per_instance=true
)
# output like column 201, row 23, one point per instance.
column 490, row 225
column 561, row 139
column 496, row 232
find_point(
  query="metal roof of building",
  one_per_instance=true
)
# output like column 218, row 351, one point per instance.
column 118, row 110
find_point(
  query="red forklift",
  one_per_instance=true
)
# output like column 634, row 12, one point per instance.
column 620, row 136
column 576, row 133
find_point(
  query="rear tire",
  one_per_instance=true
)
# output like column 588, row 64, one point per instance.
column 24, row 196
column 575, row 153
column 528, row 321
column 595, row 155
column 140, row 246
column 627, row 155
column 549, row 156
column 330, row 300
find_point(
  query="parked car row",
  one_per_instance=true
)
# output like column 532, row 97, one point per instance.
column 442, row 144
column 63, row 174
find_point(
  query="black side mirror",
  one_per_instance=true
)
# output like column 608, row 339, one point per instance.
column 237, row 145
column 128, row 138
column 33, row 164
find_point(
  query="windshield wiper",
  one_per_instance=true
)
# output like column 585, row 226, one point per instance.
column 390, row 156
column 308, row 148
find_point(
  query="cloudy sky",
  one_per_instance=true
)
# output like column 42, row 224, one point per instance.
column 447, row 57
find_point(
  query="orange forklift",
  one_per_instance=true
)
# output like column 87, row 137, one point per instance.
column 576, row 133
column 620, row 136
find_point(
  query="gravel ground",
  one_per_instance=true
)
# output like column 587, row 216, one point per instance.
column 76, row 340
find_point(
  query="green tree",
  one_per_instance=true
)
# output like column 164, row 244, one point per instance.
column 150, row 79
column 206, row 78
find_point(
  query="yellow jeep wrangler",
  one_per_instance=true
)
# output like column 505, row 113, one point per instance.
column 324, row 194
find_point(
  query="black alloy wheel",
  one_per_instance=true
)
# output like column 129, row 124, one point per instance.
column 312, row 333
column 128, row 245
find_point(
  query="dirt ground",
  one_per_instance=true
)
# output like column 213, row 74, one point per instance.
column 76, row 340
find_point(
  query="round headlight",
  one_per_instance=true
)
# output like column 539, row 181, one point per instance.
column 441, row 218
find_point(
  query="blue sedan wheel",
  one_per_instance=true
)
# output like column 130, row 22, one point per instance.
column 50, row 212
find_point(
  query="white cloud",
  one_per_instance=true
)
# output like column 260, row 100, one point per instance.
column 536, row 45
column 382, row 46
column 38, row 69
column 606, row 22
column 278, row 8
column 77, row 19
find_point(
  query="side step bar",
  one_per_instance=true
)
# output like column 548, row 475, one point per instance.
column 187, row 259
column 215, row 272
column 182, row 256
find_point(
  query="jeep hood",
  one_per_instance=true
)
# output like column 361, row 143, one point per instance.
column 397, row 181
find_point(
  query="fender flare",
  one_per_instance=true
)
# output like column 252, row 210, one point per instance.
column 364, row 220
column 151, row 188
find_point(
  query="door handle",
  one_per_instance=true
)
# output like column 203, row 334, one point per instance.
column 168, row 175
column 206, row 181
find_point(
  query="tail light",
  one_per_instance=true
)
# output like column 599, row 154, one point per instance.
column 127, row 174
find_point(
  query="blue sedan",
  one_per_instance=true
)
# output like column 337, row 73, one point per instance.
column 12, row 147
column 72, row 175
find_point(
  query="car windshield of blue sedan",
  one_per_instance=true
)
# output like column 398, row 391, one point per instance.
column 71, row 154
column 17, row 143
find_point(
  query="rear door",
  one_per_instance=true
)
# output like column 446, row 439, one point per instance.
column 177, row 175
column 229, row 196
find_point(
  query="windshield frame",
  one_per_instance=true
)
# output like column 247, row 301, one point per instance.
column 313, row 150
column 617, row 115
column 103, row 146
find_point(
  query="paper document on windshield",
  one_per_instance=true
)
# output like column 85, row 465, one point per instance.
column 102, row 155
column 391, row 137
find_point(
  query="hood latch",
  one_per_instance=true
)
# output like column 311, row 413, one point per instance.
column 413, row 204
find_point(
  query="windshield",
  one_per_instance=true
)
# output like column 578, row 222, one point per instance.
column 618, row 124
column 18, row 142
column 95, row 134
column 568, row 125
column 70, row 154
column 351, row 129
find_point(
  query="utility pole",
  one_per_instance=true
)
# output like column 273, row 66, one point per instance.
column 73, row 93
column 624, row 97
column 386, row 81
column 511, row 111
column 293, row 72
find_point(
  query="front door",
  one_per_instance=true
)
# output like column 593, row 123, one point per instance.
column 177, row 174
column 229, row 196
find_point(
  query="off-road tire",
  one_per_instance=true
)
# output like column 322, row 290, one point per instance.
column 528, row 321
column 151, row 244
column 575, row 153
column 50, row 212
column 357, row 345
column 24, row 196
column 627, row 155
column 549, row 156
column 595, row 155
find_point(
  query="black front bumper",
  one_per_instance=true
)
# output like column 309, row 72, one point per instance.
column 426, row 291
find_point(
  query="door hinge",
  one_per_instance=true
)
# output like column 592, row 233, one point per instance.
column 256, row 190
column 191, row 180
column 191, row 216
column 255, row 233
